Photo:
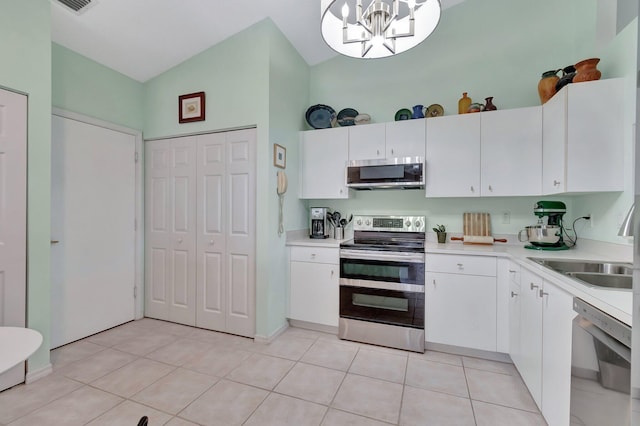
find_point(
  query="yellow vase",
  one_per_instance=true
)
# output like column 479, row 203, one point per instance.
column 463, row 104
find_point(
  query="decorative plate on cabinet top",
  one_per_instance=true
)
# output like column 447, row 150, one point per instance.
column 403, row 114
column 347, row 116
column 435, row 110
column 362, row 119
column 320, row 116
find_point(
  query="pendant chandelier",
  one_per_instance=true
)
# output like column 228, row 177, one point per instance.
column 381, row 28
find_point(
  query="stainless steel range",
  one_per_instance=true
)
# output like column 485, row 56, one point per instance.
column 382, row 282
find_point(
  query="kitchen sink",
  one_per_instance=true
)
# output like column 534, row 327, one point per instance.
column 593, row 266
column 616, row 275
column 603, row 280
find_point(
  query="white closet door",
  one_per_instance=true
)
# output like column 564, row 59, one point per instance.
column 211, row 264
column 93, row 214
column 170, row 233
column 241, row 233
column 13, row 219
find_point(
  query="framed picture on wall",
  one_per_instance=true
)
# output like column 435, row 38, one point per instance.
column 191, row 107
column 279, row 156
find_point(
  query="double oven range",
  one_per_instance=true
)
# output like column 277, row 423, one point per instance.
column 382, row 275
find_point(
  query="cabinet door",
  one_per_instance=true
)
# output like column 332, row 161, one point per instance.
column 595, row 141
column 405, row 138
column 530, row 366
column 554, row 147
column 314, row 294
column 367, row 142
column 557, row 314
column 515, row 350
column 461, row 310
column 511, row 152
column 323, row 160
column 453, row 156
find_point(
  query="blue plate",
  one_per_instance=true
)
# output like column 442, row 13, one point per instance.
column 320, row 116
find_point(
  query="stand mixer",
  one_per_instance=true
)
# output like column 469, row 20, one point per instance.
column 546, row 236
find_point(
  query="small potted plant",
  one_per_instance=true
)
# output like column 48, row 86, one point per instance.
column 441, row 232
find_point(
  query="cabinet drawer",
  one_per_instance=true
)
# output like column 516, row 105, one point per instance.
column 465, row 265
column 315, row 254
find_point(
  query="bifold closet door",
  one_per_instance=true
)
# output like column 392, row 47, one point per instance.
column 170, row 230
column 226, row 232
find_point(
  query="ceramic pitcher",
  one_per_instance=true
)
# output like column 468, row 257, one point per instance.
column 418, row 111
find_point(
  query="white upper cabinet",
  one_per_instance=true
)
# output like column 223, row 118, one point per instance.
column 323, row 160
column 511, row 152
column 453, row 156
column 387, row 140
column 583, row 138
column 405, row 138
column 367, row 142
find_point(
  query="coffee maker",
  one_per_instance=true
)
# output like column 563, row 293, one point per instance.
column 318, row 224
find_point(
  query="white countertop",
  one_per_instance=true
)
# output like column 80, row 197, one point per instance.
column 16, row 345
column 617, row 303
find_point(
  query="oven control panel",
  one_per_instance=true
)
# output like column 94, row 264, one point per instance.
column 389, row 223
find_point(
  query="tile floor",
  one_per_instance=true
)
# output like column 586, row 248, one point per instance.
column 179, row 375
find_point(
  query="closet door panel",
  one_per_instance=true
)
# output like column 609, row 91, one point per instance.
column 211, row 231
column 241, row 196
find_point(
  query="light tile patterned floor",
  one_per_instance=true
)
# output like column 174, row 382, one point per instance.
column 178, row 376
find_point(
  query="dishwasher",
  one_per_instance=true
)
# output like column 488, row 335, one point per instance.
column 600, row 368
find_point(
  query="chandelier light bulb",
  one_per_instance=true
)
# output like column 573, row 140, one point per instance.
column 345, row 10
column 411, row 3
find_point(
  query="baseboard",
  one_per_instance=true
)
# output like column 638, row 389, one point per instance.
column 38, row 374
column 476, row 353
column 270, row 338
column 313, row 326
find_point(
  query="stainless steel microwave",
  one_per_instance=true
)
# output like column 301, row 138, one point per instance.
column 390, row 173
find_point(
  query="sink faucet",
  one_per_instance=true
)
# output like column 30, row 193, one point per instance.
column 626, row 230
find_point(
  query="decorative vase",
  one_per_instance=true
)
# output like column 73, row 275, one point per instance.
column 567, row 77
column 418, row 111
column 586, row 70
column 442, row 237
column 488, row 105
column 463, row 104
column 547, row 85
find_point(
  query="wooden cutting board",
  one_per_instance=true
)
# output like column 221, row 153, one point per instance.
column 476, row 224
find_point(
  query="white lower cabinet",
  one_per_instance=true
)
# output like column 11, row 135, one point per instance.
column 544, row 356
column 314, row 294
column 460, row 301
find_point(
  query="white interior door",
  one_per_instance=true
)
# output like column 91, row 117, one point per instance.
column 13, row 219
column 93, row 210
column 170, row 230
column 241, row 234
column 211, row 263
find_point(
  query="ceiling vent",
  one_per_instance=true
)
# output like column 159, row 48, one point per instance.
column 78, row 6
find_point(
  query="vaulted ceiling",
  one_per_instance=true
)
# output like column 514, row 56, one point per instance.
column 143, row 38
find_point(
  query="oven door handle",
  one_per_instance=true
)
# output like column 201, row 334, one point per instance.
column 603, row 337
column 382, row 256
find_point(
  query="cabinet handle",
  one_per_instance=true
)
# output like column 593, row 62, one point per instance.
column 472, row 190
column 313, row 255
column 513, row 294
column 556, row 182
column 490, row 188
column 534, row 286
column 341, row 190
column 377, row 152
column 434, row 283
column 332, row 273
column 542, row 293
column 512, row 271
column 391, row 151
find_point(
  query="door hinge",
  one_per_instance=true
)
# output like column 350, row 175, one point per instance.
column 135, row 157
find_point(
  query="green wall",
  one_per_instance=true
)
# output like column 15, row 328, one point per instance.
column 86, row 87
column 254, row 78
column 25, row 28
column 493, row 48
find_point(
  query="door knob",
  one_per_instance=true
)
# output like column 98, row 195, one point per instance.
column 211, row 242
